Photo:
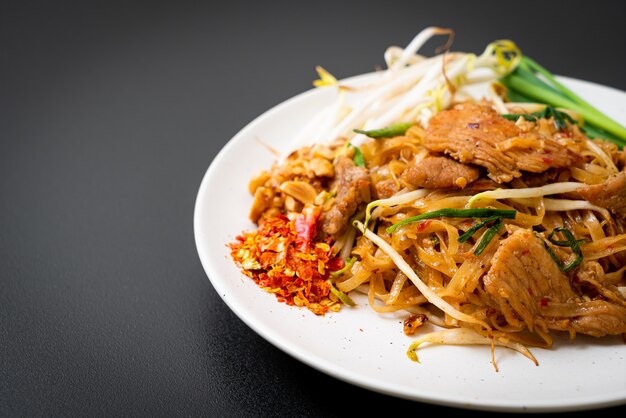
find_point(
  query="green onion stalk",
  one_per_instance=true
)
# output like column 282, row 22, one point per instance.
column 570, row 242
column 388, row 132
column 456, row 213
column 530, row 82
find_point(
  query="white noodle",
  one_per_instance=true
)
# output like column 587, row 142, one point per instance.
column 428, row 293
column 607, row 160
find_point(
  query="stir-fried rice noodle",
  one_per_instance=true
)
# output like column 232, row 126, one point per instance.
column 556, row 265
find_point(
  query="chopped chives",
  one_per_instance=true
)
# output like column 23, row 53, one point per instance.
column 560, row 118
column 358, row 158
column 455, row 213
column 345, row 268
column 488, row 236
column 388, row 132
column 468, row 234
column 340, row 295
column 571, row 242
column 554, row 257
column 435, row 240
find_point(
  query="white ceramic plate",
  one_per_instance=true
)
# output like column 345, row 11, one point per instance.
column 367, row 349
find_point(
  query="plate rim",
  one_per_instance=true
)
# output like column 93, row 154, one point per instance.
column 329, row 368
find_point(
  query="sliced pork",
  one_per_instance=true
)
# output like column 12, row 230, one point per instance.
column 528, row 286
column 477, row 134
column 353, row 184
column 610, row 194
column 441, row 173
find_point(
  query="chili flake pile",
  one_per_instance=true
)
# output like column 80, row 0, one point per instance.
column 282, row 258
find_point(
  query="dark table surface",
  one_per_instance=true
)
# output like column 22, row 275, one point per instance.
column 109, row 117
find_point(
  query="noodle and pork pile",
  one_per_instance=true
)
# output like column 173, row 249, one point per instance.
column 556, row 264
column 502, row 223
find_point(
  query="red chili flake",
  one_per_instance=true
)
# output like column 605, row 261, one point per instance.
column 335, row 264
column 283, row 258
column 525, row 251
column 306, row 226
column 547, row 160
column 423, row 225
column 473, row 125
column 530, row 291
column 544, row 302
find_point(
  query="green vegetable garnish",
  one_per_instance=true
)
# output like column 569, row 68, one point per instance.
column 345, row 268
column 455, row 213
column 571, row 242
column 488, row 236
column 530, row 82
column 340, row 295
column 388, row 132
column 468, row 234
column 548, row 112
column 435, row 240
column 358, row 156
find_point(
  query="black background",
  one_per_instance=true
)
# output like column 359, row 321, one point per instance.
column 109, row 116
